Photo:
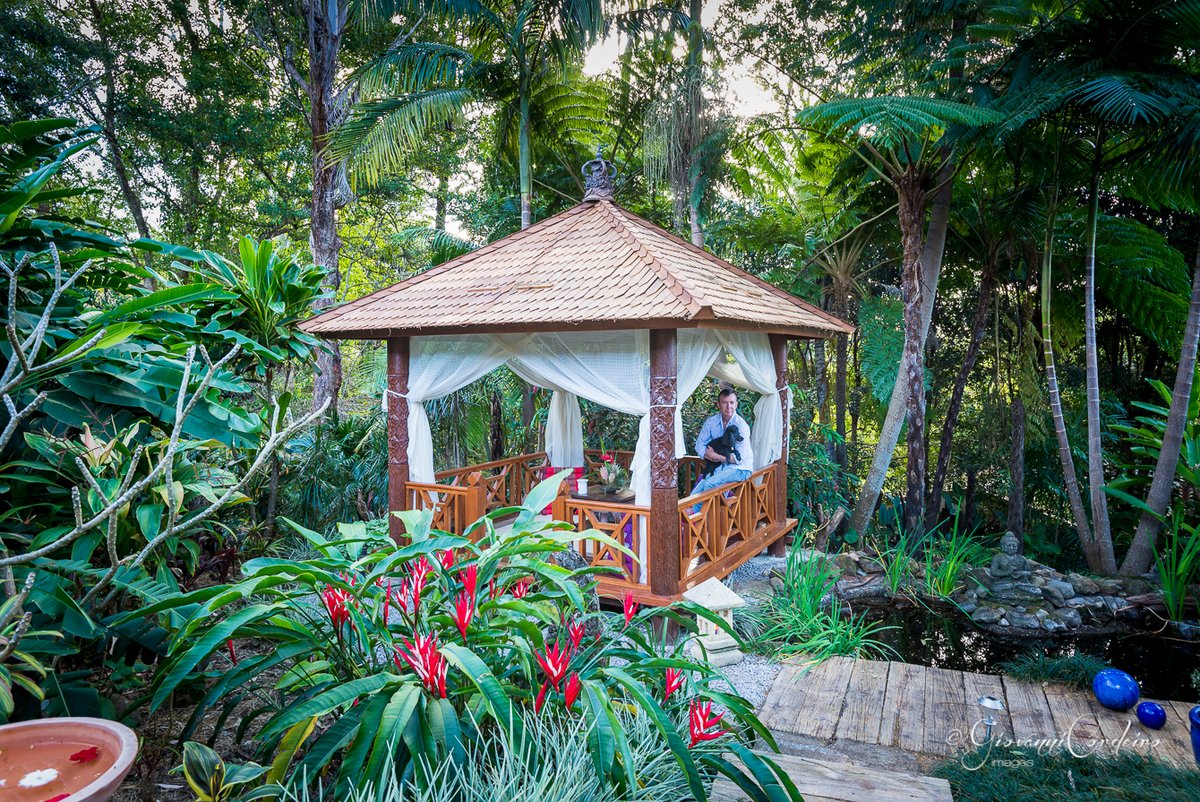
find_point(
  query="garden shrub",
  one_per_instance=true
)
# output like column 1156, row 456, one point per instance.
column 400, row 658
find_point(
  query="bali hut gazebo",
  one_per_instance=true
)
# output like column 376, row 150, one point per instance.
column 595, row 302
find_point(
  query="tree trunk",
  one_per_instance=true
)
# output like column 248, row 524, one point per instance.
column 1070, row 480
column 695, row 99
column 1016, row 471
column 889, row 433
column 1140, row 556
column 525, row 159
column 497, row 427
column 911, row 192
column 1101, row 528
column 324, row 40
column 439, row 207
column 986, row 288
column 839, row 391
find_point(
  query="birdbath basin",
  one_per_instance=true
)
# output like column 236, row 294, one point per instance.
column 64, row 759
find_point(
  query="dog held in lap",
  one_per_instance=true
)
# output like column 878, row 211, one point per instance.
column 727, row 446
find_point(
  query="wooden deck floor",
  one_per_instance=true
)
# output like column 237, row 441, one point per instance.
column 933, row 710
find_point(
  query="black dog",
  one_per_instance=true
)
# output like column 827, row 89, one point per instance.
column 727, row 446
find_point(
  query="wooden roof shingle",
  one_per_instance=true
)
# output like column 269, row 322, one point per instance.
column 595, row 266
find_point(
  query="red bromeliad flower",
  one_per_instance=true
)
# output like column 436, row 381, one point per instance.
column 701, row 723
column 541, row 698
column 673, row 682
column 606, row 457
column 86, row 755
column 470, row 579
column 554, row 661
column 404, row 596
column 232, row 654
column 420, row 576
column 575, row 633
column 446, row 558
column 464, row 611
column 572, row 692
column 335, row 603
column 631, row 607
column 521, row 588
column 422, row 655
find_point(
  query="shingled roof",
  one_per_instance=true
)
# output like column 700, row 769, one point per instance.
column 594, row 266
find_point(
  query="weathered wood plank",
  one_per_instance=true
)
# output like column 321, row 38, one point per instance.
column 863, row 710
column 1121, row 730
column 903, row 721
column 817, row 710
column 1028, row 709
column 945, row 709
column 777, row 696
column 974, row 687
column 823, row 781
column 1073, row 718
column 1174, row 742
column 796, row 693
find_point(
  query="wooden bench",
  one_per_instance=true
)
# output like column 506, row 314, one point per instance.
column 822, row 781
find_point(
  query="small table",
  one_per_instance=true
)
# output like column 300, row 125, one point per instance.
column 624, row 495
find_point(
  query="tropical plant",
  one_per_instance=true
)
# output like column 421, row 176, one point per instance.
column 404, row 656
column 212, row 780
column 947, row 556
column 806, row 616
column 1179, row 567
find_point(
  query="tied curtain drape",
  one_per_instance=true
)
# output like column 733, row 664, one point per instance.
column 755, row 370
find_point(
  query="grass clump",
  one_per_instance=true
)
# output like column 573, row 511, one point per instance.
column 1021, row 774
column 1076, row 670
column 807, row 617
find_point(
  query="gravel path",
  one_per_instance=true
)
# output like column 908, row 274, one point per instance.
column 751, row 678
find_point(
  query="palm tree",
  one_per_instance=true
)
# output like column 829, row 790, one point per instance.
column 519, row 58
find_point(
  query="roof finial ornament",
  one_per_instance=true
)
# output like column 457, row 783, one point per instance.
column 598, row 176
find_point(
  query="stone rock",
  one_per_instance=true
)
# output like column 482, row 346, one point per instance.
column 758, row 588
column 1003, row 622
column 1069, row 617
column 1109, row 586
column 1041, row 613
column 1053, row 625
column 987, row 615
column 777, row 584
column 1082, row 585
column 1024, row 620
column 847, row 562
column 1054, row 595
column 1039, row 580
column 967, row 606
column 1065, row 589
column 1136, row 585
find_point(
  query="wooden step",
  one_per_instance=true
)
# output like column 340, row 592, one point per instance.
column 822, row 781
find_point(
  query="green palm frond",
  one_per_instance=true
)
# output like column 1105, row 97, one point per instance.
column 891, row 120
column 1124, row 99
column 441, row 244
column 379, row 134
column 411, row 68
column 1144, row 278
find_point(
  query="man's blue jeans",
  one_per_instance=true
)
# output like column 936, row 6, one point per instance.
column 723, row 475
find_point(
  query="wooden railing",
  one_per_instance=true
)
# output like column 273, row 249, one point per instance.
column 506, row 482
column 624, row 523
column 723, row 527
column 689, row 472
column 454, row 507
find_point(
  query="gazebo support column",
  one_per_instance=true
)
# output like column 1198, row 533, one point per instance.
column 779, row 351
column 663, row 550
column 397, row 418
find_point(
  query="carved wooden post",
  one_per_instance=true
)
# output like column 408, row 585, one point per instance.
column 397, row 417
column 779, row 351
column 663, row 552
column 476, row 501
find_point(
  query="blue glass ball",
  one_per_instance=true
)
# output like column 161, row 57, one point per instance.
column 1152, row 715
column 1115, row 689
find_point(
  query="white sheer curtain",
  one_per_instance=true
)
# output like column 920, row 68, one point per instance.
column 564, row 423
column 438, row 366
column 696, row 350
column 611, row 368
column 755, row 370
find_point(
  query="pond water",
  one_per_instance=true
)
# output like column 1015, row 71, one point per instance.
column 944, row 638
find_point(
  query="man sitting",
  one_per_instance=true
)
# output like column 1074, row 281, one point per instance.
column 738, row 462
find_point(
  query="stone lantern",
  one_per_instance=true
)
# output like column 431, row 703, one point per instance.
column 719, row 648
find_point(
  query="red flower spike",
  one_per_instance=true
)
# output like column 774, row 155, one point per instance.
column 470, row 579
column 420, row 576
column 572, row 692
column 606, row 457
column 631, row 607
column 701, row 723
column 575, row 633
column 404, row 596
column 335, row 604
column 232, row 653
column 541, row 698
column 464, row 611
column 446, row 558
column 387, row 598
column 554, row 661
column 674, row 681
column 521, row 588
column 492, row 588
column 422, row 655
column 86, row 755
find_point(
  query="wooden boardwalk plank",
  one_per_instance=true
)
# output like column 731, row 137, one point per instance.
column 945, row 709
column 903, row 721
column 1028, row 709
column 1123, row 729
column 777, row 696
column 823, row 781
column 820, row 720
column 1074, row 718
column 974, row 687
column 864, row 702
column 1174, row 739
